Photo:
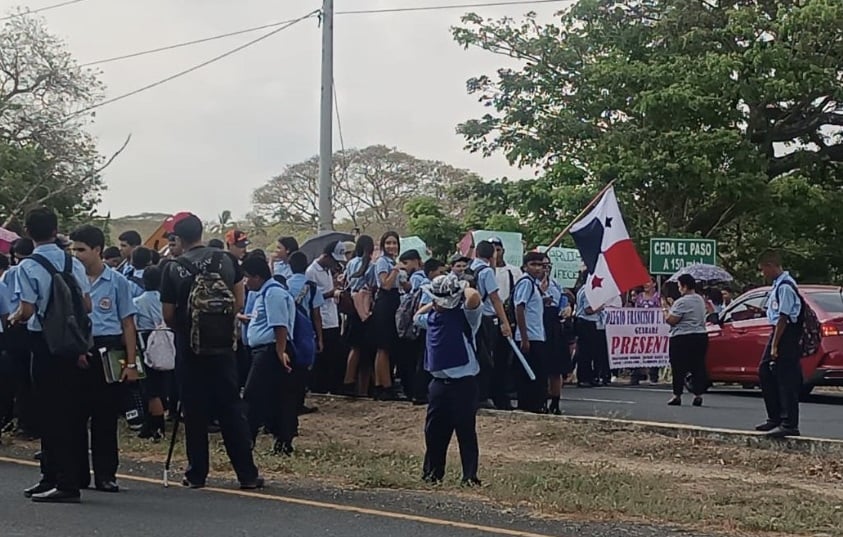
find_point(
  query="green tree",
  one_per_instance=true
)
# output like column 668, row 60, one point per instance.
column 428, row 220
column 717, row 119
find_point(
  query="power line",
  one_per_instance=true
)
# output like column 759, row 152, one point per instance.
column 198, row 66
column 40, row 9
column 186, row 43
column 453, row 6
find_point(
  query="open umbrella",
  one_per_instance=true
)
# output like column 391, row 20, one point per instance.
column 314, row 246
column 703, row 273
column 6, row 239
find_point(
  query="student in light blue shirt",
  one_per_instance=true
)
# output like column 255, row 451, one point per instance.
column 780, row 372
column 588, row 340
column 284, row 248
column 141, row 259
column 5, row 306
column 529, row 313
column 149, row 310
column 557, row 350
column 128, row 241
column 273, row 387
column 384, row 332
column 359, row 276
column 113, row 327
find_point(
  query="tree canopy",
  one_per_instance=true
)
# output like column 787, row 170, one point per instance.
column 717, row 119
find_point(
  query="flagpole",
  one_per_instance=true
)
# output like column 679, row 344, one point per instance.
column 582, row 213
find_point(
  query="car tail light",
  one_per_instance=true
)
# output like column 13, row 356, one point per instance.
column 828, row 329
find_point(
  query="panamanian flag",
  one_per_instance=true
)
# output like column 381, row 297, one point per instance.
column 608, row 253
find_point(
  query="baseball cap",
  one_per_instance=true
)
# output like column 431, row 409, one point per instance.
column 446, row 291
column 336, row 250
column 235, row 237
column 497, row 241
column 170, row 222
column 349, row 246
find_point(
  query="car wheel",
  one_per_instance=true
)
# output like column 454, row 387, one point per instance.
column 749, row 386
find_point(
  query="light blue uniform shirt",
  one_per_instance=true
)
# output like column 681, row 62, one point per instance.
column 783, row 300
column 282, row 268
column 295, row 284
column 5, row 302
column 111, row 302
column 486, row 285
column 150, row 315
column 472, row 368
column 248, row 308
column 417, row 279
column 33, row 282
column 384, row 265
column 582, row 304
column 528, row 293
column 558, row 299
column 137, row 290
column 274, row 307
column 11, row 280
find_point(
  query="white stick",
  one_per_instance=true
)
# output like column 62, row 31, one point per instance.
column 523, row 360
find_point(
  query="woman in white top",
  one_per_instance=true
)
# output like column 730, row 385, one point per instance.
column 688, row 341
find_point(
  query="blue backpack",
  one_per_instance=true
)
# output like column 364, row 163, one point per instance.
column 304, row 334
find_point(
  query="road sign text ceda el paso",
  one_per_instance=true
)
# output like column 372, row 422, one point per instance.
column 667, row 256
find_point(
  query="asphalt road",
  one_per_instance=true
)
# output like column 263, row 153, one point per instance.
column 723, row 408
column 143, row 509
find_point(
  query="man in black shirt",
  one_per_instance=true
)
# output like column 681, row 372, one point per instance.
column 207, row 382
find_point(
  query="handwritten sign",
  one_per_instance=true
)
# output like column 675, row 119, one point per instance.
column 637, row 337
column 566, row 264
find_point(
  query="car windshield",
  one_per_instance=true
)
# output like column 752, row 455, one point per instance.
column 828, row 301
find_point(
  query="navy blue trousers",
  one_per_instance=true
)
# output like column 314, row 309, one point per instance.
column 452, row 407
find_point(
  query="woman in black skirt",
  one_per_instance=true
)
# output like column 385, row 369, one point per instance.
column 383, row 330
column 360, row 277
column 558, row 363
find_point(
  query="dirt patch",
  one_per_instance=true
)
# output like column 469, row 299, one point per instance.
column 562, row 469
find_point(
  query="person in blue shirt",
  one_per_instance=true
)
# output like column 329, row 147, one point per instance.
column 129, row 240
column 384, row 332
column 59, row 391
column 274, row 382
column 407, row 350
column 150, row 316
column 451, row 321
column 5, row 297
column 493, row 348
column 780, row 372
column 141, row 259
column 529, row 315
column 359, row 277
column 311, row 299
column 113, row 328
column 283, row 249
column 589, row 345
column 557, row 352
column 433, row 268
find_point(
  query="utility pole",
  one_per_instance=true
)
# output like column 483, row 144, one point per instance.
column 326, row 213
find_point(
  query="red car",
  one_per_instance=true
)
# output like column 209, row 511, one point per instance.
column 736, row 343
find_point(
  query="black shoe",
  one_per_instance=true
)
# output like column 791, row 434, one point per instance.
column 675, row 401
column 191, row 485
column 40, row 488
column 107, row 486
column 432, row 479
column 419, row 402
column 486, row 404
column 37, row 456
column 505, row 406
column 304, row 410
column 258, row 483
column 283, row 448
column 585, row 385
column 766, row 426
column 471, row 482
column 57, row 496
column 556, row 411
column 697, row 401
column 782, row 432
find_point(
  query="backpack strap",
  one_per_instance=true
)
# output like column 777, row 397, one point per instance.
column 511, row 284
column 49, row 267
column 68, row 264
column 526, row 277
column 268, row 287
column 215, row 266
column 802, row 304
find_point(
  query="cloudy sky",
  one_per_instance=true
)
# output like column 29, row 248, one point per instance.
column 205, row 141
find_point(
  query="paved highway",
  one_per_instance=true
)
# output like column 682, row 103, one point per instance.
column 145, row 509
column 723, row 408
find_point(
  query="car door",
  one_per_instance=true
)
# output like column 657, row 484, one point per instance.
column 735, row 346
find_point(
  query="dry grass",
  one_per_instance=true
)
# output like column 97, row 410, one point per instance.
column 559, row 468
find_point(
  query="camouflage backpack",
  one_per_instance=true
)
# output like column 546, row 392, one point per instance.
column 210, row 309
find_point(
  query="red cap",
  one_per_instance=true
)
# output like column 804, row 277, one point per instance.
column 170, row 223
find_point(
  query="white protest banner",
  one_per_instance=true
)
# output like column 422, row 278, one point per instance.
column 566, row 264
column 637, row 337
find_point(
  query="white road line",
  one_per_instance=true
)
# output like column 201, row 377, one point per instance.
column 610, row 401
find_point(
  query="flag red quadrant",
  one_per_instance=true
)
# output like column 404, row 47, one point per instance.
column 625, row 265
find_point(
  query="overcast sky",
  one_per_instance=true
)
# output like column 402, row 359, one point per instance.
column 205, row 141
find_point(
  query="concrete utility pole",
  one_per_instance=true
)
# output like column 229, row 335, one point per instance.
column 326, row 213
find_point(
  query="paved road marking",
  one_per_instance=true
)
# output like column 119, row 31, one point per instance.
column 326, row 505
column 610, row 401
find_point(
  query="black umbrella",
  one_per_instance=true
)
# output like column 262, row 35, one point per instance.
column 314, row 246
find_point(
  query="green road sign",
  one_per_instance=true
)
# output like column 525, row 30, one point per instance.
column 668, row 256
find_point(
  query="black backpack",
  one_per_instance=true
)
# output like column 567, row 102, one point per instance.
column 807, row 321
column 65, row 323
